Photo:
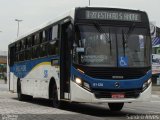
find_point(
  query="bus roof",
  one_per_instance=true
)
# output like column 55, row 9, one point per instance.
column 58, row 18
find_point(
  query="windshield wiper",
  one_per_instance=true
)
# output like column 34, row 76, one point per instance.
column 124, row 43
column 131, row 28
column 125, row 37
column 99, row 29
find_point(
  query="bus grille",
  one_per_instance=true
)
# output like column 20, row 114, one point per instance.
column 113, row 73
column 109, row 74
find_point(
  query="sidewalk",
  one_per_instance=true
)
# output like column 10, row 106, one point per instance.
column 2, row 81
column 156, row 90
column 4, row 87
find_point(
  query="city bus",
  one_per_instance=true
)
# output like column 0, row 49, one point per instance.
column 87, row 55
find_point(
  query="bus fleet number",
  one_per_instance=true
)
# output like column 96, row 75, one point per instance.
column 98, row 84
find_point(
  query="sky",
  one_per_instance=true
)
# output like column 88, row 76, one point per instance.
column 36, row 12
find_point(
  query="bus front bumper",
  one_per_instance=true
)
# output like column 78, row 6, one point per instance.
column 79, row 94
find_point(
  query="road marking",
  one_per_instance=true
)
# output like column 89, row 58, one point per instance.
column 155, row 101
column 155, row 96
column 129, row 108
column 153, row 112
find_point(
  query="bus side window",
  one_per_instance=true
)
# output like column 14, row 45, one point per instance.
column 12, row 55
column 17, row 46
column 29, row 41
column 21, row 56
column 37, row 38
column 40, row 37
column 44, row 50
column 49, row 34
column 53, row 45
column 54, row 32
column 20, row 46
column 35, row 52
column 17, row 57
column 32, row 39
column 43, row 36
column 28, row 54
column 23, row 44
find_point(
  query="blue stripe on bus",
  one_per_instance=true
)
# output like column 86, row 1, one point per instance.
column 110, row 84
column 22, row 69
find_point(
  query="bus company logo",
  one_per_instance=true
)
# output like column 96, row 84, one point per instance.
column 45, row 73
column 116, row 84
column 117, row 77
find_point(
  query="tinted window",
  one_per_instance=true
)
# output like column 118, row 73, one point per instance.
column 43, row 36
column 53, row 47
column 28, row 54
column 54, row 32
column 12, row 55
column 23, row 44
column 29, row 41
column 21, row 56
column 44, row 50
column 48, row 34
column 35, row 52
column 36, row 38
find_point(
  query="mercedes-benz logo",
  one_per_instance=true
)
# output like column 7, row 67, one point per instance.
column 116, row 84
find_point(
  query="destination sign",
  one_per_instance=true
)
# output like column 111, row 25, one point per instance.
column 113, row 15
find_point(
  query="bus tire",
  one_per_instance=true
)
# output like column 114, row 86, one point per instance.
column 55, row 101
column 20, row 96
column 115, row 106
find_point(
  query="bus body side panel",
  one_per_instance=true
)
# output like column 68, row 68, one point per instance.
column 12, row 82
column 35, row 77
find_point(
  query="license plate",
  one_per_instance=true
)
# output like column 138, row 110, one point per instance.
column 118, row 95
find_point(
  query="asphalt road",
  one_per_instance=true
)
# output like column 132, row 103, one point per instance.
column 41, row 109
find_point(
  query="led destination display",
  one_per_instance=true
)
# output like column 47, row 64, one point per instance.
column 113, row 15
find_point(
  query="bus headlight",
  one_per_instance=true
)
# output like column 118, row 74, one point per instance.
column 146, row 84
column 149, row 81
column 82, row 83
column 78, row 81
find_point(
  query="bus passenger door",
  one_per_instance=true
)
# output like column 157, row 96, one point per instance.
column 65, row 61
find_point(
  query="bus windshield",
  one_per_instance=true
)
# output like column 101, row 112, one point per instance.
column 99, row 45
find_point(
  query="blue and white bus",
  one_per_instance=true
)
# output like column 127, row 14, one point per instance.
column 87, row 55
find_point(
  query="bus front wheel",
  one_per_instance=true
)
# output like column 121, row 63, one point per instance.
column 21, row 97
column 115, row 106
column 55, row 101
